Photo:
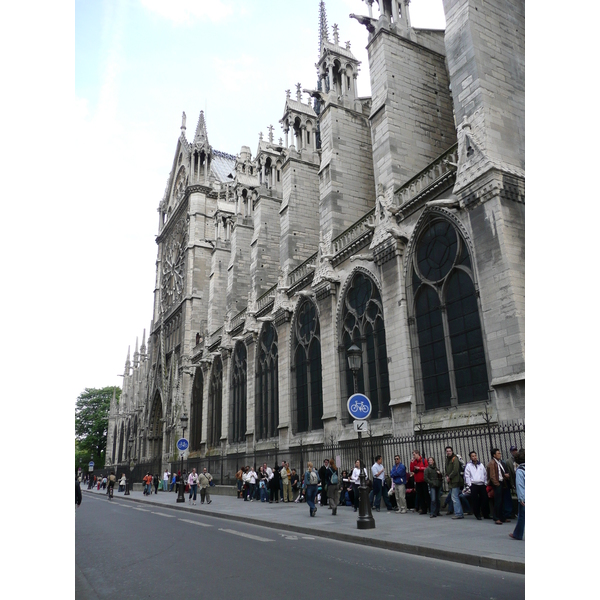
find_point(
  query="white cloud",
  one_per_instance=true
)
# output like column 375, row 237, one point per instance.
column 182, row 11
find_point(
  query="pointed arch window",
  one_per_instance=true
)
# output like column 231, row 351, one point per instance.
column 238, row 394
column 363, row 325
column 448, row 352
column 197, row 407
column 267, row 387
column 215, row 402
column 308, row 410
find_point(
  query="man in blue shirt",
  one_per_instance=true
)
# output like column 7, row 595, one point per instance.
column 398, row 475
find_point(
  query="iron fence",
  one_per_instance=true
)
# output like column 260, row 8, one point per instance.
column 223, row 468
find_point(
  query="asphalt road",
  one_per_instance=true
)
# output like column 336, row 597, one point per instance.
column 124, row 550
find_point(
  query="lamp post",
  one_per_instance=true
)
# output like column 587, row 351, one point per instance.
column 365, row 517
column 181, row 490
column 130, row 444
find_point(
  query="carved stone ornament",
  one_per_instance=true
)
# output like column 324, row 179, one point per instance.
column 281, row 298
column 173, row 265
column 385, row 221
column 324, row 270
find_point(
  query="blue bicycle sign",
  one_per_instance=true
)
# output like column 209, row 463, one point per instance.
column 359, row 406
column 182, row 444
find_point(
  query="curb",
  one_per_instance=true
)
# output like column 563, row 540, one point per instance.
column 485, row 562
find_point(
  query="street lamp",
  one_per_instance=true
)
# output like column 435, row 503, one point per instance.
column 365, row 517
column 129, row 444
column 181, row 491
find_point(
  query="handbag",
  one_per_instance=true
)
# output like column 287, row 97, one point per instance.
column 490, row 491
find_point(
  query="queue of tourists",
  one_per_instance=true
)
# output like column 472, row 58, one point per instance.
column 483, row 491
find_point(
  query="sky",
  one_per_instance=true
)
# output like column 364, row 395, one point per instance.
column 138, row 65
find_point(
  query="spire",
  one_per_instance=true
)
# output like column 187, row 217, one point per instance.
column 201, row 136
column 128, row 361
column 143, row 346
column 136, row 354
column 323, row 29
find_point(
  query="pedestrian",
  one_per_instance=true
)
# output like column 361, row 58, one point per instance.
column 417, row 470
column 433, row 478
column 295, row 484
column 155, row 482
column 173, row 482
column 311, row 483
column 398, row 475
column 499, row 480
column 346, row 495
column 475, row 479
column 193, row 483
column 355, row 479
column 147, row 484
column 239, row 477
column 204, row 480
column 287, row 495
column 519, row 460
column 274, row 485
column 251, row 481
column 378, row 471
column 122, row 482
column 453, row 478
column 333, row 484
column 78, row 494
column 323, row 479
column 166, row 479
column 510, row 467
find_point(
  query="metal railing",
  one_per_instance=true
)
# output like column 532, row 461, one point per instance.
column 481, row 439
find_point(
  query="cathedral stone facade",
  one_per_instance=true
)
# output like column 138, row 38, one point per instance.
column 394, row 223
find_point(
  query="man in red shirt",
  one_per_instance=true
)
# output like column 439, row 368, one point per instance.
column 417, row 470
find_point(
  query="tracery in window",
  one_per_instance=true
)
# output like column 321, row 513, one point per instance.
column 215, row 402
column 363, row 326
column 449, row 357
column 308, row 411
column 267, row 388
column 238, row 394
column 196, row 412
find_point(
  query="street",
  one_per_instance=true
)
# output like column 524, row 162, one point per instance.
column 127, row 550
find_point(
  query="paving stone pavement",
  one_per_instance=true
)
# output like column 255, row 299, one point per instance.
column 468, row 541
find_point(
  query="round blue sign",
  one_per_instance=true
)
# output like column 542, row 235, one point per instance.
column 359, row 406
column 182, row 444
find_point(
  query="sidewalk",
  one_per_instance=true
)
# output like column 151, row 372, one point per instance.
column 468, row 541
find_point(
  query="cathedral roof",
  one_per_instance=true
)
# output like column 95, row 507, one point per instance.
column 222, row 165
column 300, row 107
column 336, row 49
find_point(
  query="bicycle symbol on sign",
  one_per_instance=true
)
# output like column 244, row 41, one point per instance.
column 359, row 407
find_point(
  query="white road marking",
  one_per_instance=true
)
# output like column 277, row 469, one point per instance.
column 163, row 514
column 142, row 509
column 304, row 537
column 247, row 535
column 195, row 522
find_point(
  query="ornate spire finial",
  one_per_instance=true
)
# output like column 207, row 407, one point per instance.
column 348, row 45
column 201, row 133
column 260, row 136
column 288, row 94
column 336, row 34
column 323, row 29
column 270, row 128
column 183, row 119
column 299, row 92
column 281, row 141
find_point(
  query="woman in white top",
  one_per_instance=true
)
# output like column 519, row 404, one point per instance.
column 355, row 479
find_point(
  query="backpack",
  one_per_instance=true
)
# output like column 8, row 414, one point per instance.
column 334, row 477
column 313, row 478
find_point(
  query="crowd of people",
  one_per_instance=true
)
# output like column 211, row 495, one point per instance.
column 474, row 489
column 484, row 491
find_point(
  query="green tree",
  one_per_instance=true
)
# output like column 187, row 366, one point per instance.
column 91, row 423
